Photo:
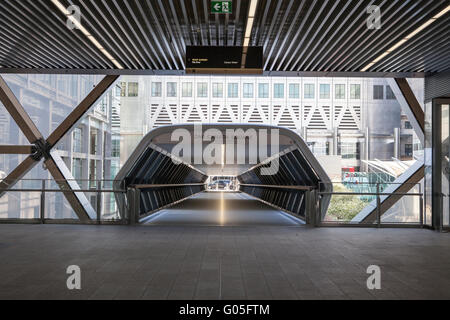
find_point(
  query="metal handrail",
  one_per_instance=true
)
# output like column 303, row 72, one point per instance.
column 62, row 190
column 172, row 185
column 371, row 194
column 303, row 188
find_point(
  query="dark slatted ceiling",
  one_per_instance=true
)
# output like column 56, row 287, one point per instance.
column 297, row 36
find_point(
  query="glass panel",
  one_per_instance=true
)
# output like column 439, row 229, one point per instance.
column 171, row 89
column 187, row 89
column 445, row 164
column 324, row 91
column 247, row 90
column 428, row 164
column 405, row 210
column 48, row 99
column 263, row 90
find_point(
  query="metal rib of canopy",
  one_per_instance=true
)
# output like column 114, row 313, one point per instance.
column 151, row 35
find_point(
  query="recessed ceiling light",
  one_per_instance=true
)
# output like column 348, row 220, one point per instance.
column 409, row 36
column 86, row 33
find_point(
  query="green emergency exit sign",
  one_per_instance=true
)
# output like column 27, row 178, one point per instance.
column 221, row 6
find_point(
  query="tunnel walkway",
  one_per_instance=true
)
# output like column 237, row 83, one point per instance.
column 221, row 209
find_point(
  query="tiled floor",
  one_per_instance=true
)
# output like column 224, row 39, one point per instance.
column 222, row 209
column 190, row 262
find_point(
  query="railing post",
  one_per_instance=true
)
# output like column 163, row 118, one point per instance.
column 312, row 206
column 308, row 207
column 421, row 206
column 134, row 202
column 318, row 203
column 137, row 205
column 99, row 202
column 42, row 211
column 378, row 206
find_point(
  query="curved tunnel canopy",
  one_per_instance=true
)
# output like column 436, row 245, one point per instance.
column 271, row 163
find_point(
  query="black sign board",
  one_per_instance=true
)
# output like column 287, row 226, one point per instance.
column 222, row 57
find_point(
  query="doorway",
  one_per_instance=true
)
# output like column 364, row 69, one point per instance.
column 437, row 161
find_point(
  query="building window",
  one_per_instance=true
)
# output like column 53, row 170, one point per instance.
column 339, row 91
column 408, row 150
column 355, row 91
column 233, row 90
column 263, row 90
column 389, row 93
column 115, row 148
column 94, row 141
column 93, row 174
column 247, row 90
column 309, row 91
column 202, row 89
column 217, row 88
column 171, row 89
column 324, row 91
column 408, row 125
column 186, row 89
column 123, row 89
column 294, row 91
column 156, row 89
column 77, row 140
column 378, row 92
column 278, row 90
column 349, row 150
column 77, row 169
column 319, row 148
column 133, row 89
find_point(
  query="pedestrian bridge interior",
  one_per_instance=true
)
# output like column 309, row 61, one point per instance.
column 160, row 178
column 175, row 232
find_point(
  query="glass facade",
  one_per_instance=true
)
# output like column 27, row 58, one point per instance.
column 186, row 90
column 355, row 91
column 202, row 90
column 233, row 90
column 156, row 89
column 309, row 91
column 278, row 90
column 247, row 90
column 217, row 88
column 340, row 91
column 263, row 90
column 335, row 128
column 171, row 89
column 324, row 91
column 378, row 92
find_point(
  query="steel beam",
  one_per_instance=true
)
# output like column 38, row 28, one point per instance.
column 18, row 113
column 81, row 109
column 76, row 199
column 412, row 102
column 416, row 115
column 18, row 173
column 14, row 149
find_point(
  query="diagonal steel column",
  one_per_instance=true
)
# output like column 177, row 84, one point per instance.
column 407, row 181
column 15, row 149
column 80, row 207
column 18, row 173
column 18, row 113
column 28, row 128
column 81, row 109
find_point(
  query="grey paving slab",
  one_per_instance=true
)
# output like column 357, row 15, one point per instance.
column 245, row 261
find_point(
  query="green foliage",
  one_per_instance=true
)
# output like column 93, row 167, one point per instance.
column 344, row 207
